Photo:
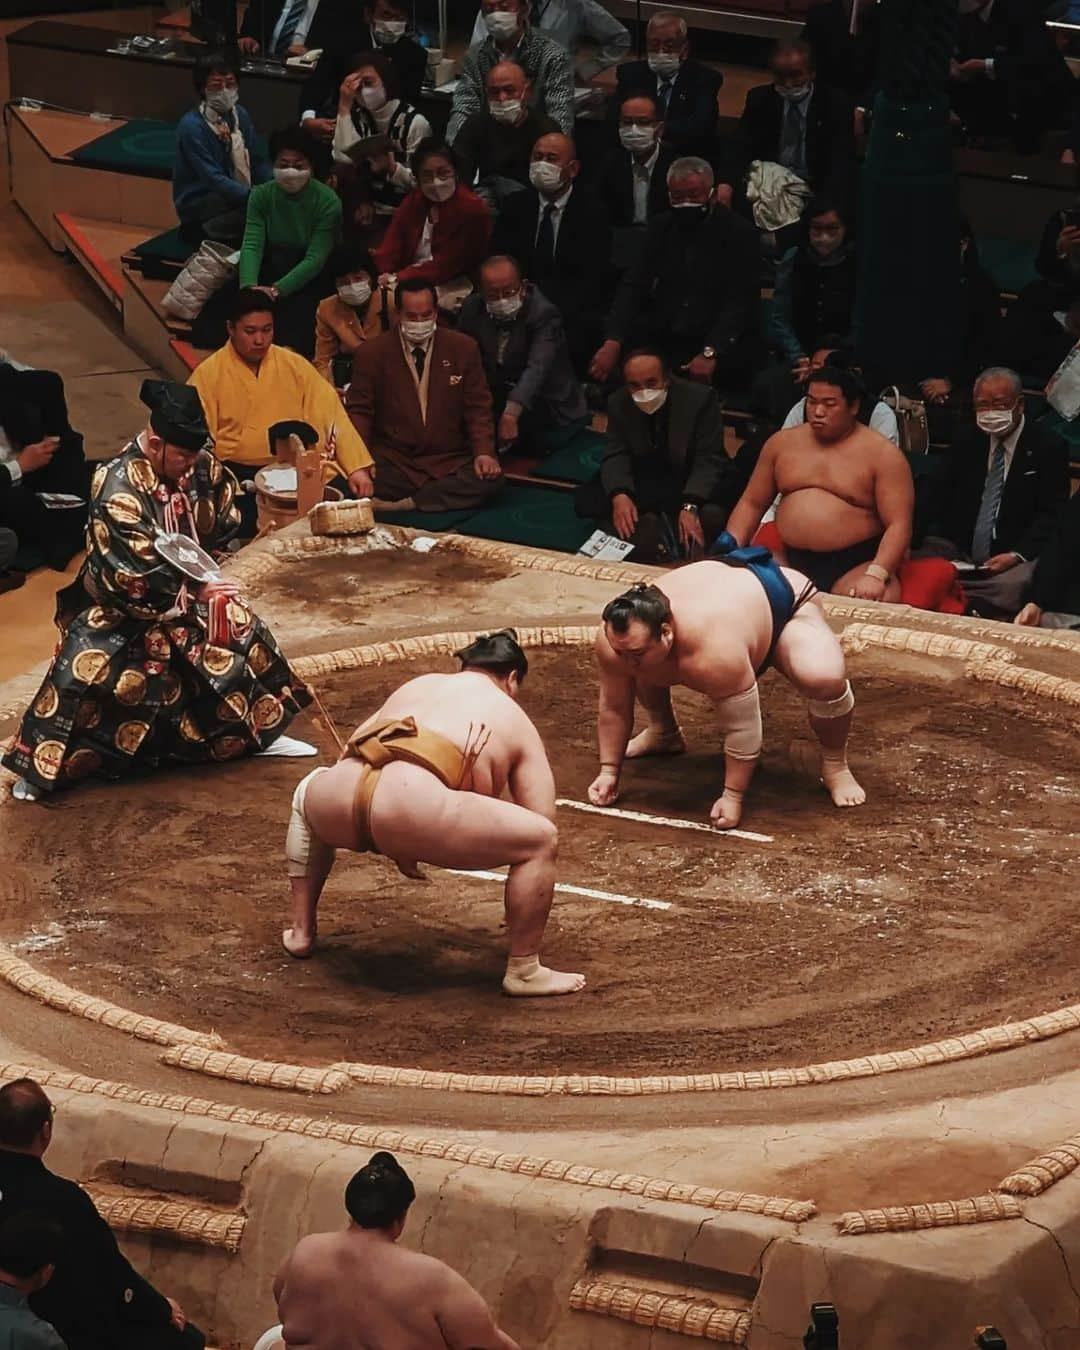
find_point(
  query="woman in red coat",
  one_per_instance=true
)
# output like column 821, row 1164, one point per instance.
column 441, row 231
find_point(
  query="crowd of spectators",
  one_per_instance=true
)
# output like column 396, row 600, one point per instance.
column 591, row 237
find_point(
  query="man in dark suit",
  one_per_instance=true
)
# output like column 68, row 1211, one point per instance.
column 561, row 236
column 1054, row 598
column 40, row 452
column 693, row 291
column 685, row 90
column 342, row 29
column 633, row 177
column 421, row 403
column 526, row 361
column 95, row 1300
column 1006, row 480
column 797, row 122
column 1008, row 76
column 665, row 472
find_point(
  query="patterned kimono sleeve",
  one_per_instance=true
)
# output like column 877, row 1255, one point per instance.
column 217, row 516
column 124, row 570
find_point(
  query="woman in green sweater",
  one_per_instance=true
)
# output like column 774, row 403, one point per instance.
column 293, row 226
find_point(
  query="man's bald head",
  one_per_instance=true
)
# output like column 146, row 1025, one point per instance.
column 25, row 1116
column 554, row 164
column 507, row 74
column 508, row 92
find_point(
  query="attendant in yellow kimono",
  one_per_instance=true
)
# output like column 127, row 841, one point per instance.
column 251, row 384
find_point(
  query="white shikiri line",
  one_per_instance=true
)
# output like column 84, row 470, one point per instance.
column 669, row 821
column 566, row 889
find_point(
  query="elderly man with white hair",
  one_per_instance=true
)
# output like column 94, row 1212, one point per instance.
column 685, row 90
column 1007, row 480
column 693, row 292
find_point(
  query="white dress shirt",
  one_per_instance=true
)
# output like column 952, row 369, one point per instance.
column 556, row 216
column 641, row 177
column 1009, row 442
column 299, row 37
column 8, row 458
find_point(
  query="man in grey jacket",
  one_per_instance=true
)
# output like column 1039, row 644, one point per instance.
column 665, row 481
column 537, row 397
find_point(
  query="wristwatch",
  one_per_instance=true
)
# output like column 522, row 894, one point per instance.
column 692, row 507
column 709, row 353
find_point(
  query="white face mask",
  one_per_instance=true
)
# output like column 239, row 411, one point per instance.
column 373, row 97
column 439, row 191
column 994, row 422
column 665, row 65
column 508, row 307
column 637, row 138
column 223, row 100
column 388, row 31
column 544, row 176
column 292, row 180
column 508, row 111
column 795, row 94
column 501, row 24
column 356, row 293
column 417, row 331
column 650, row 400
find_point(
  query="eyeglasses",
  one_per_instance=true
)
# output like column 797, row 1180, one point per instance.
column 995, row 405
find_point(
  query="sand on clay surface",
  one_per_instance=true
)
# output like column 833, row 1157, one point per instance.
column 945, row 904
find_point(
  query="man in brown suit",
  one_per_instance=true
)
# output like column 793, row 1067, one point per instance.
column 421, row 401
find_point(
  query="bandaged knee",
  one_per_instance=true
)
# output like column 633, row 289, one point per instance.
column 827, row 709
column 740, row 717
column 305, row 854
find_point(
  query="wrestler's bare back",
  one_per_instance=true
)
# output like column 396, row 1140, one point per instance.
column 468, row 709
column 357, row 1291
column 723, row 630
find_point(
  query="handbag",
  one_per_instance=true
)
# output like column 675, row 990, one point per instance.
column 206, row 271
column 910, row 419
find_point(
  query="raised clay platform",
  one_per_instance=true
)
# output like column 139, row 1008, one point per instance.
column 830, row 1059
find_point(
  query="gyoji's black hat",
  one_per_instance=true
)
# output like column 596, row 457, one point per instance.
column 176, row 414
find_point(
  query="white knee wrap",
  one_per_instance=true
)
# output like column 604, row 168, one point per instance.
column 740, row 717
column 305, row 854
column 830, row 708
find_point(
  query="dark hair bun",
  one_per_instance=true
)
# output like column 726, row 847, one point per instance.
column 380, row 1193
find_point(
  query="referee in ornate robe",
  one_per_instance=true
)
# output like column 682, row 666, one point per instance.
column 137, row 681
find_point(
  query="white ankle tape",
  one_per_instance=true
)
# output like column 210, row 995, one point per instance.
column 837, row 707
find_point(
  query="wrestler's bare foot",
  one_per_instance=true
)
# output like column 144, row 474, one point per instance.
column 840, row 783
column 298, row 943
column 727, row 810
column 526, row 978
column 656, row 741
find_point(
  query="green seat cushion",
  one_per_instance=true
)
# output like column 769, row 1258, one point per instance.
column 139, row 146
column 1068, row 431
column 1011, row 262
column 435, row 521
column 536, row 516
column 577, row 461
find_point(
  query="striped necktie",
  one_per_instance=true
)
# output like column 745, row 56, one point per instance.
column 983, row 539
column 294, row 12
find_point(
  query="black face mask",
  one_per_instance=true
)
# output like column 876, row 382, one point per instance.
column 687, row 217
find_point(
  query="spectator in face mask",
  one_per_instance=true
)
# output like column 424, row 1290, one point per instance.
column 693, row 292
column 369, row 105
column 218, row 157
column 685, row 91
column 796, row 122
column 538, row 399
column 440, row 231
column 1006, row 481
column 560, row 234
column 634, row 175
column 665, row 475
column 573, row 24
column 1043, row 323
column 342, row 30
column 357, row 311
column 293, row 224
column 510, row 37
column 493, row 146
column 420, row 402
column 815, row 287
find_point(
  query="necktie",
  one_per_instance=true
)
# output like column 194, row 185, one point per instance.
column 791, row 137
column 294, row 12
column 419, row 356
column 663, row 94
column 544, row 253
column 983, row 539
